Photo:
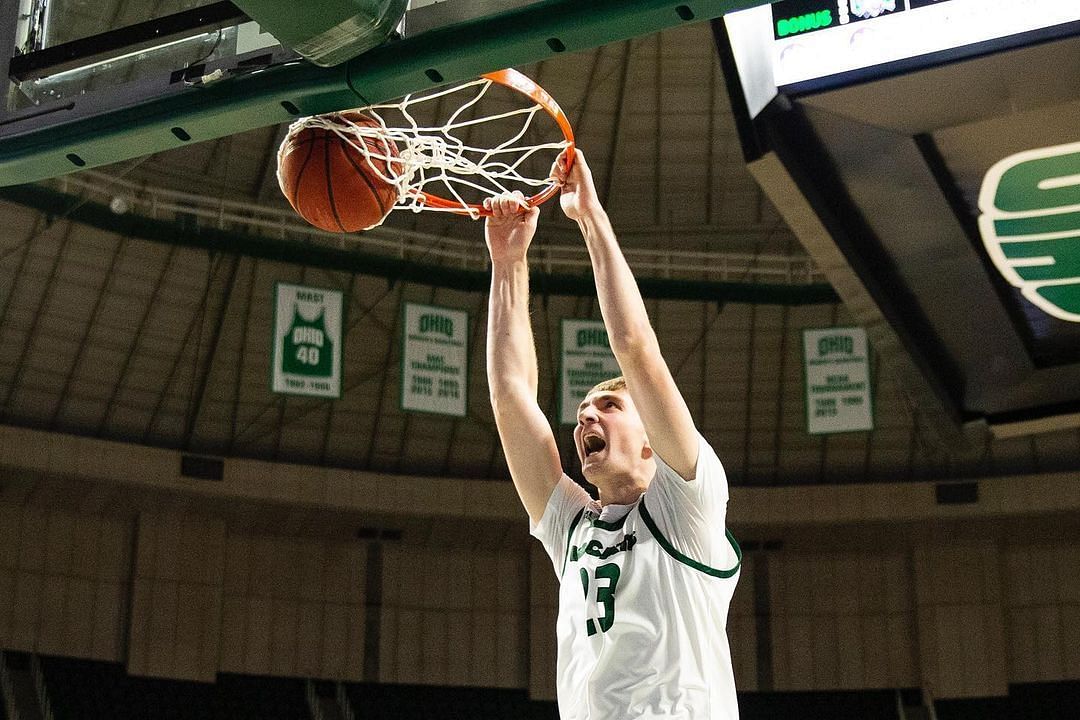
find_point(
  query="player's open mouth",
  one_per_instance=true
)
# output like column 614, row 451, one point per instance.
column 593, row 444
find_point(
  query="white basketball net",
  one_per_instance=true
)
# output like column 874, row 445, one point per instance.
column 438, row 159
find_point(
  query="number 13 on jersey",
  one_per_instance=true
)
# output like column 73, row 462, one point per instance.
column 605, row 579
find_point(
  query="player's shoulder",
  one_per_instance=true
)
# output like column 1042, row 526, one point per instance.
column 708, row 459
column 706, row 493
column 567, row 501
column 707, row 462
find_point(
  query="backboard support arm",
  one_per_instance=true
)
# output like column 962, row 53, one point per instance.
column 247, row 97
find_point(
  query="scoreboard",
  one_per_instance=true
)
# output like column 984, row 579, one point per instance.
column 814, row 39
column 927, row 155
column 795, row 17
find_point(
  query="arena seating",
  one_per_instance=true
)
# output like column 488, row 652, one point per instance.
column 405, row 702
column 90, row 690
column 973, row 709
column 838, row 705
column 87, row 690
column 260, row 698
column 1045, row 701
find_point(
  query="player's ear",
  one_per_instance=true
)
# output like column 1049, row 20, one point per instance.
column 646, row 450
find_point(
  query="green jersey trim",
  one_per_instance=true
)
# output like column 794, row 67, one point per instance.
column 610, row 525
column 670, row 549
column 570, row 534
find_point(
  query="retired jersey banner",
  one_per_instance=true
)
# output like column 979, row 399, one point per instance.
column 586, row 360
column 306, row 354
column 837, row 381
column 434, row 359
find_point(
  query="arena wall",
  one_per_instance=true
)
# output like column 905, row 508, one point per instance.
column 107, row 552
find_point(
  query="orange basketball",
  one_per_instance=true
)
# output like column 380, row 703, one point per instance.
column 330, row 183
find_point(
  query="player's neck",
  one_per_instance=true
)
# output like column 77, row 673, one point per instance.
column 623, row 489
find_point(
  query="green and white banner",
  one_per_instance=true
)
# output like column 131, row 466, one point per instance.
column 434, row 359
column 1030, row 223
column 837, row 374
column 586, row 360
column 306, row 352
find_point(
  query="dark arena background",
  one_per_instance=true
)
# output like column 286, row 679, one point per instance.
column 856, row 225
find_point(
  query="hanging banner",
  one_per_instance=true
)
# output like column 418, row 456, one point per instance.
column 837, row 371
column 434, row 359
column 586, row 359
column 306, row 352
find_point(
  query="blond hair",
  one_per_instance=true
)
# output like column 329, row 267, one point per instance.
column 613, row 385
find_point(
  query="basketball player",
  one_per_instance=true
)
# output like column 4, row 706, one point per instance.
column 647, row 571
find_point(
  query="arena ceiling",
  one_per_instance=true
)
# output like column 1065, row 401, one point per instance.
column 150, row 322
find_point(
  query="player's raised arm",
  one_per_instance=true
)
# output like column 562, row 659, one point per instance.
column 527, row 440
column 663, row 411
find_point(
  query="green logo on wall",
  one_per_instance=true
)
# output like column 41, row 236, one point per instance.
column 1030, row 224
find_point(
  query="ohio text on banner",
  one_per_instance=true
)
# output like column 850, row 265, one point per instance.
column 586, row 360
column 307, row 340
column 434, row 359
column 837, row 371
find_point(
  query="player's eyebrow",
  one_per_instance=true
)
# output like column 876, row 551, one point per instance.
column 595, row 398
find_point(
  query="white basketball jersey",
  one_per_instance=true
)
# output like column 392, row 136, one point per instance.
column 643, row 599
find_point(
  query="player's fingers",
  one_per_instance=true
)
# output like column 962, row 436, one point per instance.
column 509, row 204
column 558, row 168
column 579, row 159
column 501, row 206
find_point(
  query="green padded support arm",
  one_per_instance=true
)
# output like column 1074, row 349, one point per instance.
column 247, row 101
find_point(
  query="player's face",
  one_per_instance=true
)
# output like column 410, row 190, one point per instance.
column 609, row 436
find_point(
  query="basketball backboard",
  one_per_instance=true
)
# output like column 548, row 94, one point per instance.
column 92, row 83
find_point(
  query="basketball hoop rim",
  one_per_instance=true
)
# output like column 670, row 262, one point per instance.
column 514, row 80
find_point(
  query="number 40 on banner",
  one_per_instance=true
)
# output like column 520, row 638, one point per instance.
column 306, row 350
